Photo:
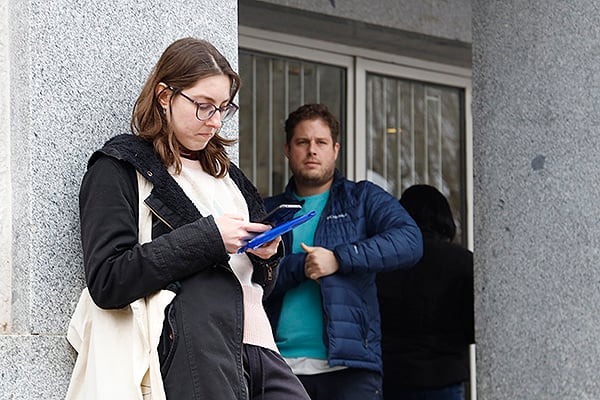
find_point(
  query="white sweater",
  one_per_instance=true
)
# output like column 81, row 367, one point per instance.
column 218, row 196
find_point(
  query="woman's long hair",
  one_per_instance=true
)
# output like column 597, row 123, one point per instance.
column 181, row 65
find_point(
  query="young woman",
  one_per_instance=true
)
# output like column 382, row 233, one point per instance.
column 216, row 342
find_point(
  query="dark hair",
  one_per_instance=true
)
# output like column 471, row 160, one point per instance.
column 181, row 65
column 430, row 210
column 310, row 112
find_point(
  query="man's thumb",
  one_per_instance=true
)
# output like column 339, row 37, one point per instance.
column 306, row 248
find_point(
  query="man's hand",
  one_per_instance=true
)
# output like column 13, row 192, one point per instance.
column 319, row 262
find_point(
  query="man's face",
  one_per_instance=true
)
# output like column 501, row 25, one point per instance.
column 312, row 155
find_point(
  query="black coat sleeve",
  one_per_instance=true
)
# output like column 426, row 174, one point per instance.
column 118, row 269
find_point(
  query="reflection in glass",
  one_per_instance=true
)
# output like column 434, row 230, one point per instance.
column 415, row 134
column 272, row 87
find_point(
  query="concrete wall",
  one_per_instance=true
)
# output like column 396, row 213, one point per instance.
column 536, row 135
column 5, row 179
column 448, row 19
column 70, row 72
column 432, row 30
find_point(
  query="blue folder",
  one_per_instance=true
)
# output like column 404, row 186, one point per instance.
column 279, row 230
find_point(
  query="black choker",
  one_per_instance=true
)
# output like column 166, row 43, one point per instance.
column 190, row 155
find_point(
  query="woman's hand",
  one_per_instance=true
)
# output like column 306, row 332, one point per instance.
column 267, row 250
column 236, row 232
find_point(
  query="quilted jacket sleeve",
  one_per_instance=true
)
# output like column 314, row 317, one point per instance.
column 393, row 238
column 119, row 270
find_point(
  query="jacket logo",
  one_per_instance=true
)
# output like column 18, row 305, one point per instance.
column 344, row 215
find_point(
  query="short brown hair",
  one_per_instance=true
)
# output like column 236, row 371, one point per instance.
column 311, row 112
column 181, row 65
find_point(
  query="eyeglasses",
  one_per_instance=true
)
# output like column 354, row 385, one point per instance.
column 205, row 111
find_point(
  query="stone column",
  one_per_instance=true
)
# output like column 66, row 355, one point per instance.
column 70, row 72
column 536, row 136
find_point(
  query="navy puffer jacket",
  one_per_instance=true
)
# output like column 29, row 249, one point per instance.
column 369, row 232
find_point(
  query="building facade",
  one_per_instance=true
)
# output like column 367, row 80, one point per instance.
column 403, row 95
column 495, row 103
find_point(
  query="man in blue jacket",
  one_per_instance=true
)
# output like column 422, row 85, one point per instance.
column 324, row 309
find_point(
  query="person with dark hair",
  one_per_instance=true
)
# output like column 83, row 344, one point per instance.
column 427, row 311
column 175, row 312
column 324, row 305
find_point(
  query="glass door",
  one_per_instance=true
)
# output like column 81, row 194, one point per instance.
column 272, row 87
column 415, row 133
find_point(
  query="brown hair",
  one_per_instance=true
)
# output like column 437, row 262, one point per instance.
column 311, row 112
column 181, row 65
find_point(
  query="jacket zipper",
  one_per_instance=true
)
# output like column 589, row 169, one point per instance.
column 240, row 287
column 158, row 216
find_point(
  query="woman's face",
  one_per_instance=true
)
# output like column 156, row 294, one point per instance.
column 190, row 132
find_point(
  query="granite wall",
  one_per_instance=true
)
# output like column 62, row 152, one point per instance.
column 536, row 135
column 70, row 72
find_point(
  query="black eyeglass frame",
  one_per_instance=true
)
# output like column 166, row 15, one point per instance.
column 226, row 112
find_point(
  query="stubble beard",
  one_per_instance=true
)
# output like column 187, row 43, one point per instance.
column 313, row 179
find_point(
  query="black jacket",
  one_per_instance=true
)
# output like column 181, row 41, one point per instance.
column 201, row 346
column 427, row 317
